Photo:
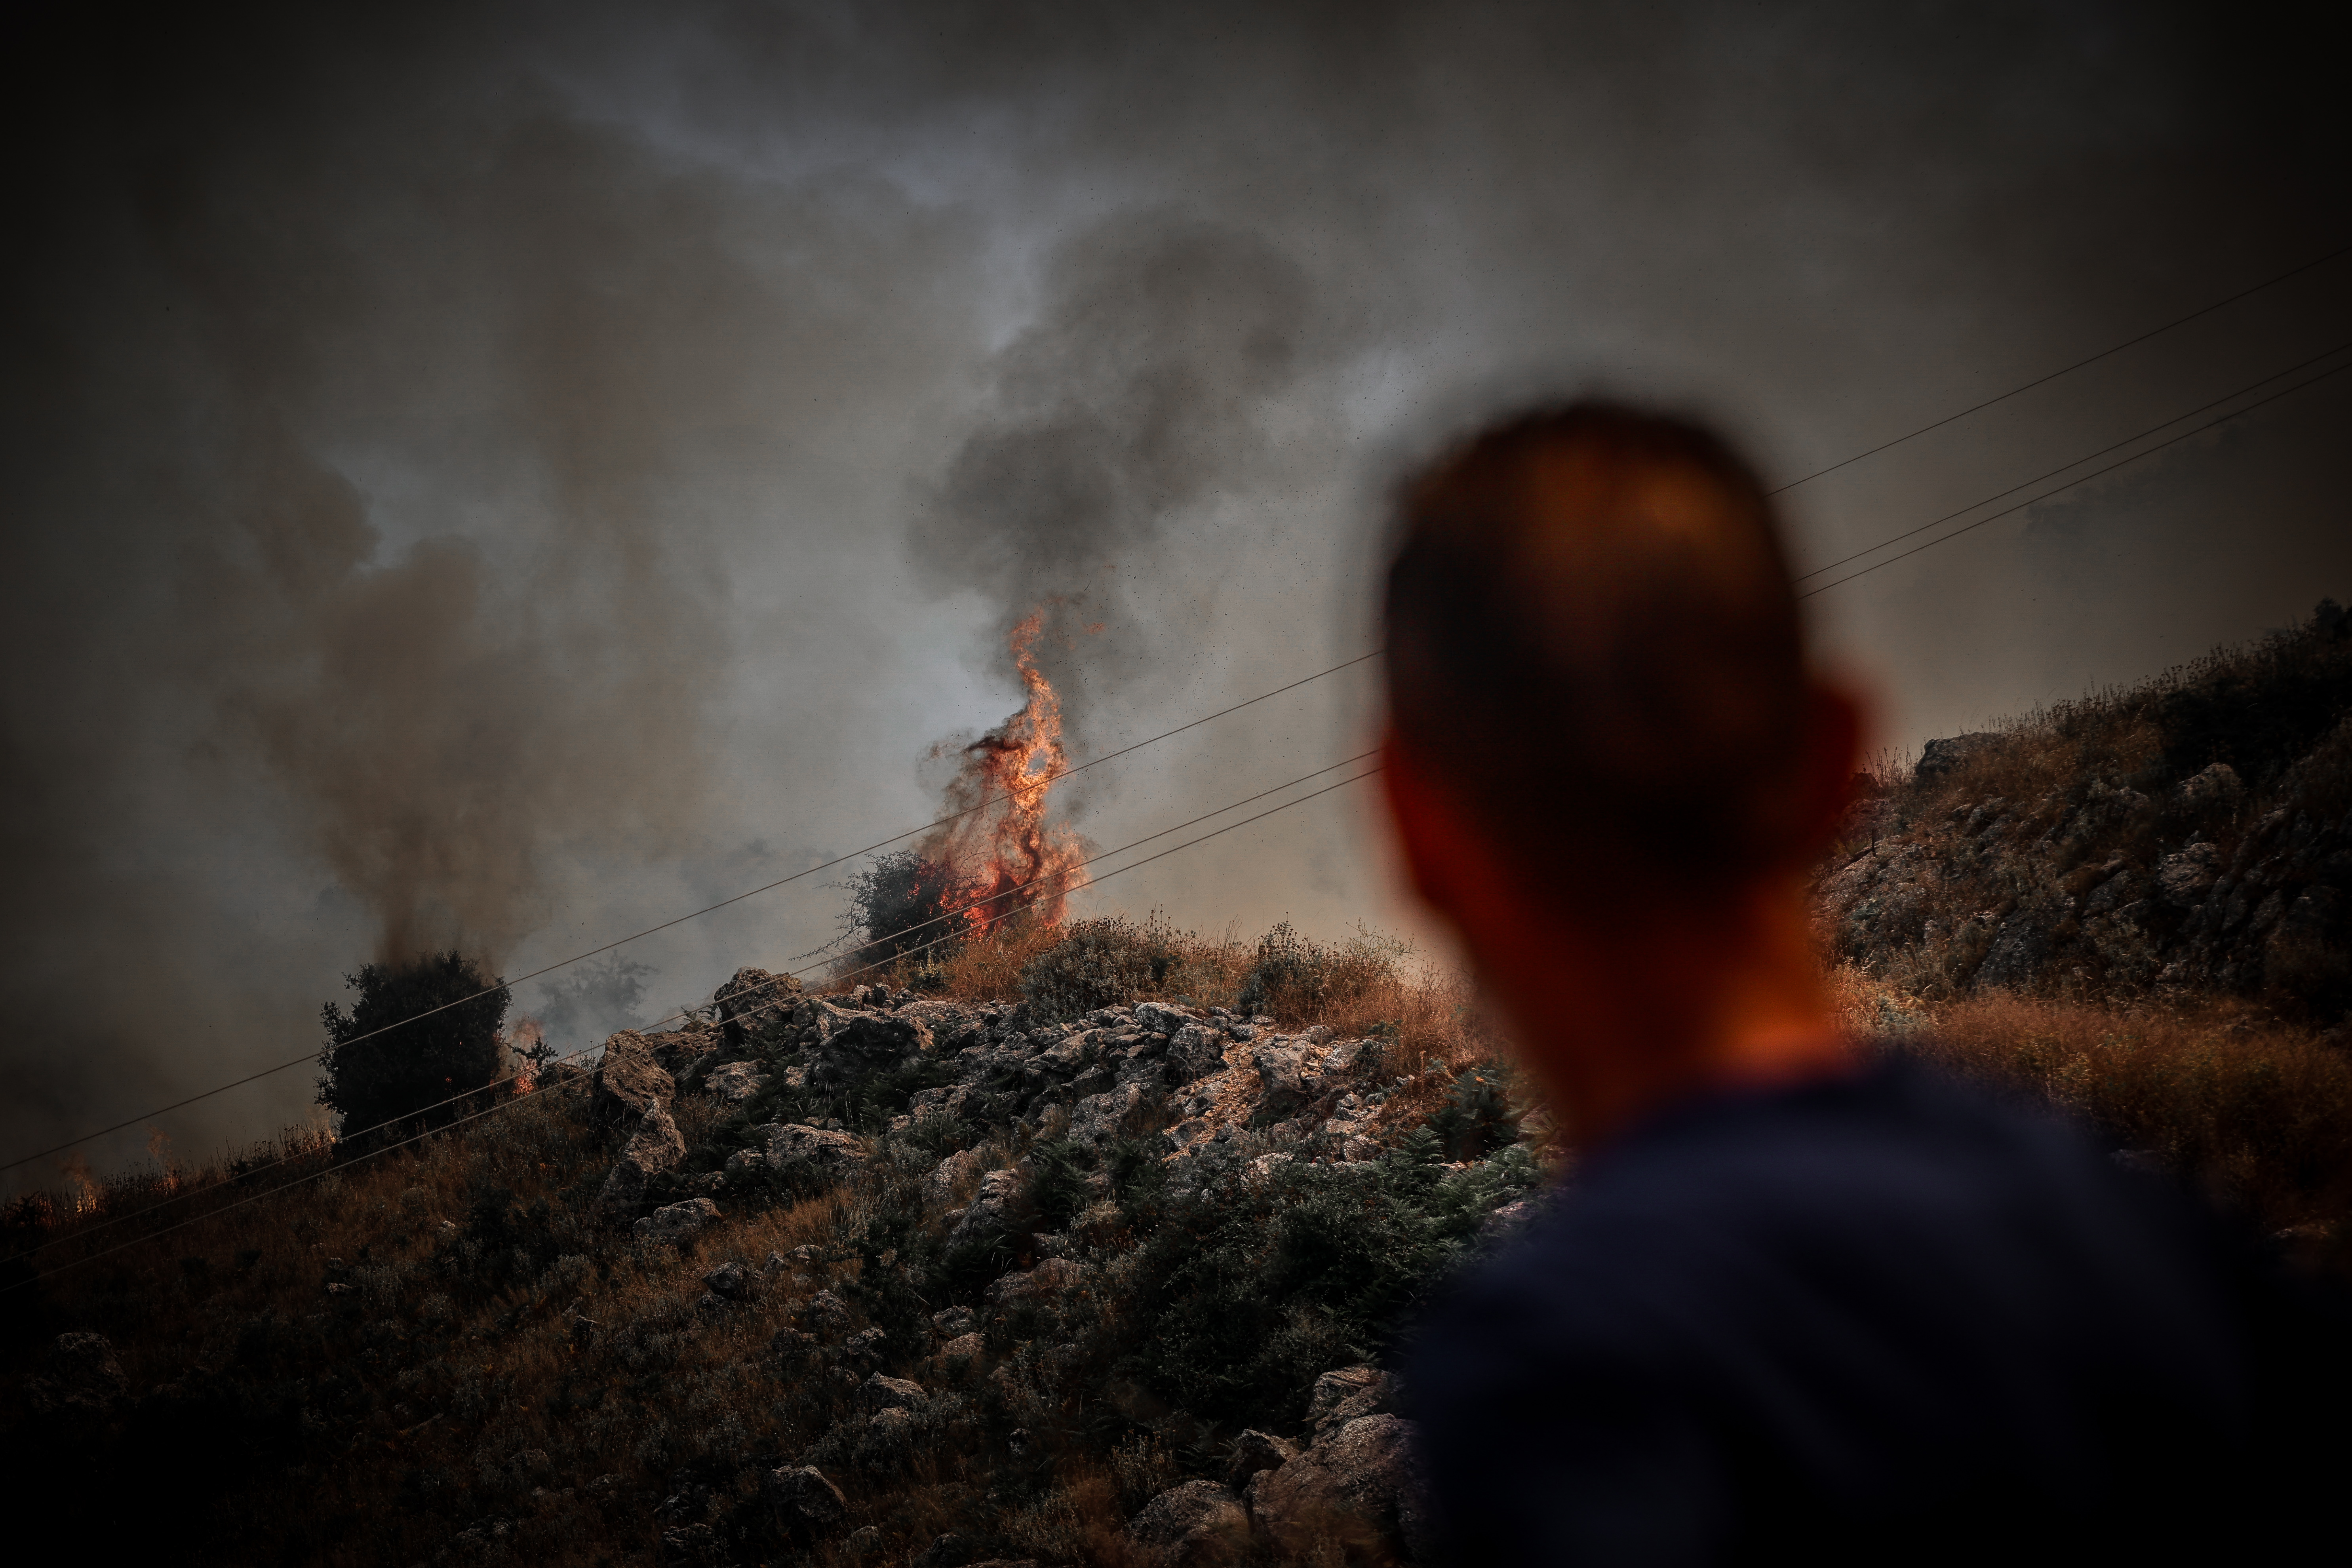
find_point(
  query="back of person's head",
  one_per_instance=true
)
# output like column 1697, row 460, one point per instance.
column 1593, row 645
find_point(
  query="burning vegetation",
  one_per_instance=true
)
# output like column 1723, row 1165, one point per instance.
column 995, row 862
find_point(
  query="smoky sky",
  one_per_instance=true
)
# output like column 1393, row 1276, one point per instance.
column 505, row 475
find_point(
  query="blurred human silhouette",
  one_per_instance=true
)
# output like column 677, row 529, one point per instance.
column 1805, row 1299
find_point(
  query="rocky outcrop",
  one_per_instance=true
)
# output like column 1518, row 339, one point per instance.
column 2107, row 884
column 1361, row 1487
column 1197, row 1522
column 755, row 1002
column 674, row 1224
column 828, row 1152
column 629, row 1082
column 656, row 1145
column 807, row 1503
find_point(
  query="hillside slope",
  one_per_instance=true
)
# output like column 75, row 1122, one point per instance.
column 2192, row 835
column 864, row 1278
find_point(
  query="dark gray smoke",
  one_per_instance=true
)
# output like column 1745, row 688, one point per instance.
column 1159, row 344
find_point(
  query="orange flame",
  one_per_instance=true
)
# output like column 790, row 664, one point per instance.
column 1003, row 856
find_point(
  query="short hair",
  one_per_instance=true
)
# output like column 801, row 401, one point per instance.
column 1594, row 642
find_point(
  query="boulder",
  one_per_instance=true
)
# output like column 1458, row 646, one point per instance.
column 629, row 1082
column 731, row 1280
column 1939, row 758
column 735, row 1082
column 1341, row 1396
column 1198, row 1521
column 2182, row 879
column 806, row 1503
column 834, row 1153
column 881, row 1393
column 1196, row 1051
column 992, row 1208
column 851, row 1045
column 1362, row 1489
column 656, row 1145
column 1159, row 1018
column 951, row 1321
column 963, row 1347
column 826, row 1314
column 753, row 999
column 1099, row 1118
column 945, row 1183
column 2216, row 788
column 676, row 1223
column 1253, row 1451
column 1051, row 1276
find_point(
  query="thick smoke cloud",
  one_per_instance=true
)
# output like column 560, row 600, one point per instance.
column 1141, row 386
column 497, row 474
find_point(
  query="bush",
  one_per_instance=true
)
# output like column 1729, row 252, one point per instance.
column 1291, row 976
column 419, row 1049
column 902, row 903
column 1100, row 964
column 1476, row 1118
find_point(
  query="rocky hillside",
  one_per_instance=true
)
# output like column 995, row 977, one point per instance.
column 864, row 1277
column 2192, row 835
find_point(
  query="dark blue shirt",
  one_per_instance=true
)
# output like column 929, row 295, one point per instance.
column 1882, row 1317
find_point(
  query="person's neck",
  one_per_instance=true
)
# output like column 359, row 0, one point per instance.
column 1621, row 1020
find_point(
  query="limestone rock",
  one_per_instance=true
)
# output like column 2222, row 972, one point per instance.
column 1099, row 1118
column 881, row 1393
column 1341, row 1396
column 2217, row 788
column 1051, row 1276
column 1253, row 1451
column 753, row 1000
column 2183, row 877
column 676, row 1223
column 805, row 1502
column 629, row 1082
column 1939, row 758
column 1198, row 1521
column 993, row 1207
column 656, row 1145
column 1360, row 1488
column 834, row 1153
column 735, row 1082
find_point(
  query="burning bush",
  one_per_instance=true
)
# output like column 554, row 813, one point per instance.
column 421, row 1034
column 904, row 902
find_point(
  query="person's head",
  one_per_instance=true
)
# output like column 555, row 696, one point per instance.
column 1599, row 689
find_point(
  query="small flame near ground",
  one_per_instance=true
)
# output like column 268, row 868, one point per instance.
column 1003, row 861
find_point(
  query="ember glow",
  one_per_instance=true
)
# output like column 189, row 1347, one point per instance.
column 1000, row 854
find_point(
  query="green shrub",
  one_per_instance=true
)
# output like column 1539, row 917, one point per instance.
column 903, row 902
column 1102, row 962
column 1476, row 1118
column 418, row 1049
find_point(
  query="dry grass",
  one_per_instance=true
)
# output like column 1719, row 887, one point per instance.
column 2255, row 1110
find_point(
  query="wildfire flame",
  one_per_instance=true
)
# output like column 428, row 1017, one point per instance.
column 1000, row 854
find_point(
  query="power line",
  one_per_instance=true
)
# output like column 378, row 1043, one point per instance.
column 680, row 919
column 1107, row 853
column 2070, row 484
column 2078, row 365
column 508, row 1103
column 684, row 1011
column 2078, row 462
